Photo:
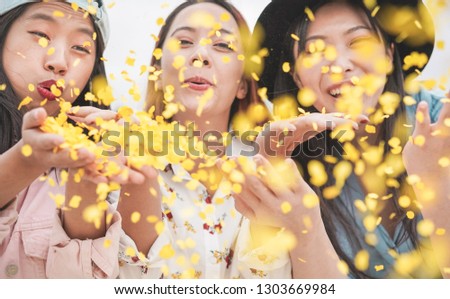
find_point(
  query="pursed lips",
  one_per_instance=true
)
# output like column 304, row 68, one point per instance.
column 45, row 90
column 198, row 83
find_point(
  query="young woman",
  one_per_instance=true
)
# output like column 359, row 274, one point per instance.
column 369, row 210
column 200, row 234
column 48, row 51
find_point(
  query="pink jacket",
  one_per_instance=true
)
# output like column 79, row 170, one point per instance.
column 34, row 244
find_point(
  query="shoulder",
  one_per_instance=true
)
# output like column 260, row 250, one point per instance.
column 433, row 99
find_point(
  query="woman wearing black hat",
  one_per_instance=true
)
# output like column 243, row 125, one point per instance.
column 345, row 60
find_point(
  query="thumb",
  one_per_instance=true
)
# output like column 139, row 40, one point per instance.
column 34, row 118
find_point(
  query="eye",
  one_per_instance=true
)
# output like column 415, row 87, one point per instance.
column 363, row 41
column 223, row 46
column 39, row 34
column 184, row 42
column 82, row 49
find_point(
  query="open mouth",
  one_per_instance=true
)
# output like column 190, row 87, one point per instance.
column 335, row 92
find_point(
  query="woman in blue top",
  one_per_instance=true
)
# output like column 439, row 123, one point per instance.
column 338, row 54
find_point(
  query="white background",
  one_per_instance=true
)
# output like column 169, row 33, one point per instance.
column 134, row 21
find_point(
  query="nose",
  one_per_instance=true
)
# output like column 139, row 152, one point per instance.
column 342, row 63
column 200, row 57
column 57, row 62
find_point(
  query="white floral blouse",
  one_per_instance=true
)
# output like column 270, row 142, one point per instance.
column 204, row 237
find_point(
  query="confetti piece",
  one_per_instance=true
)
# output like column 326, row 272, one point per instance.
column 27, row 150
column 27, row 100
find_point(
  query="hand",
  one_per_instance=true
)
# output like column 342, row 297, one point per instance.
column 43, row 144
column 280, row 138
column 429, row 144
column 277, row 196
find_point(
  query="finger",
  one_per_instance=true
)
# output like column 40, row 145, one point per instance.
column 148, row 171
column 34, row 118
column 44, row 141
column 269, row 183
column 65, row 159
column 423, row 121
column 103, row 114
column 444, row 113
column 243, row 208
column 135, row 177
column 82, row 111
column 300, row 185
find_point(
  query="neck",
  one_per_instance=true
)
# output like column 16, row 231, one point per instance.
column 204, row 125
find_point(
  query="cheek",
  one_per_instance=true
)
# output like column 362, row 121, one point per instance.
column 81, row 73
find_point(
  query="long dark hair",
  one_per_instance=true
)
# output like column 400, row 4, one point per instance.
column 10, row 116
column 155, row 98
column 332, row 214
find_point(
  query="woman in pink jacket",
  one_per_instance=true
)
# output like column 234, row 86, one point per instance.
column 43, row 44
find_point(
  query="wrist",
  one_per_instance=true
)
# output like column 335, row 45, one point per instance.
column 31, row 163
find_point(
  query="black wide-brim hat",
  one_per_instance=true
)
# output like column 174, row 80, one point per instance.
column 276, row 19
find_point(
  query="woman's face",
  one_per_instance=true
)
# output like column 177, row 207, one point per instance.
column 49, row 53
column 342, row 50
column 200, row 64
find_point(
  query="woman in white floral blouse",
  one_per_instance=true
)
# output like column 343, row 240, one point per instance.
column 201, row 70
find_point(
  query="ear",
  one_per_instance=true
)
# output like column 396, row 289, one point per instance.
column 390, row 52
column 296, row 79
column 158, row 85
column 242, row 89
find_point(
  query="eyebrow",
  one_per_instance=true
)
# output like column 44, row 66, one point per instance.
column 349, row 31
column 191, row 29
column 47, row 18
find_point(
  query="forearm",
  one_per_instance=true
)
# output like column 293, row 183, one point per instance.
column 15, row 173
column 143, row 200
column 314, row 255
column 437, row 210
column 74, row 222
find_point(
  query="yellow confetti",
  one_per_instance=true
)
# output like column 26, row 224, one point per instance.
column 370, row 129
column 130, row 61
column 43, row 42
column 286, row 67
column 419, row 140
column 160, row 22
column 410, row 215
column 51, row 51
column 295, row 37
column 74, row 6
column 310, row 14
column 135, row 217
column 286, row 207
column 343, row 267
column 130, row 251
column 404, row 201
column 440, row 44
column 379, row 268
column 167, row 252
column 2, row 87
column 310, row 200
column 306, row 97
column 27, row 100
column 444, row 162
column 27, row 150
column 157, row 53
column 58, row 14
column 425, row 227
column 225, row 17
column 75, row 201
column 362, row 260
column 318, row 174
column 107, row 243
